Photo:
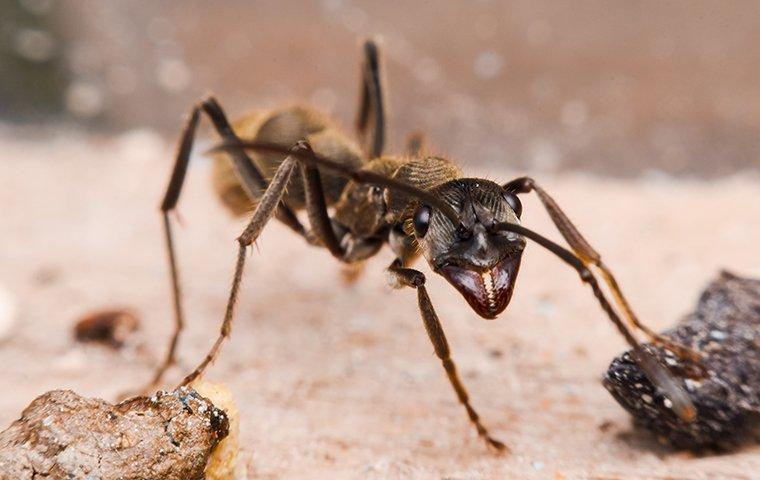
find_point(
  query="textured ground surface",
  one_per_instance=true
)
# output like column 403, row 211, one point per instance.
column 341, row 382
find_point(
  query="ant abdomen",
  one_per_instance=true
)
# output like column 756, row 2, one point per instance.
column 285, row 126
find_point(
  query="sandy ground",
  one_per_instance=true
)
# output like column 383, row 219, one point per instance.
column 338, row 381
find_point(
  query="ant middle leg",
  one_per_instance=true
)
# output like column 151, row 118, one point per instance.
column 264, row 211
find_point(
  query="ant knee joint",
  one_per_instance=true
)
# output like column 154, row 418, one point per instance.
column 417, row 279
column 393, row 279
column 406, row 278
column 244, row 241
column 520, row 185
column 207, row 102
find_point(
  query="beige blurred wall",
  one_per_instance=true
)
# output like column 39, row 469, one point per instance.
column 624, row 87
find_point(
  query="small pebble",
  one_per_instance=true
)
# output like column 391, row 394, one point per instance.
column 109, row 327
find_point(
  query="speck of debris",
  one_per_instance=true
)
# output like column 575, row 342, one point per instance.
column 725, row 328
column 605, row 426
column 46, row 276
column 108, row 327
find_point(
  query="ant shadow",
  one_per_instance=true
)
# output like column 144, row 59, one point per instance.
column 639, row 439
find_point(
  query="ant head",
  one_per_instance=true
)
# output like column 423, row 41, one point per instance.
column 477, row 259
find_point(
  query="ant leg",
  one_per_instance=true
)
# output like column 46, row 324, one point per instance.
column 659, row 375
column 589, row 257
column 251, row 179
column 316, row 207
column 416, row 279
column 371, row 100
column 171, row 197
column 264, row 211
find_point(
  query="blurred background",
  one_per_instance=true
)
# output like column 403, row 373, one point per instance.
column 642, row 118
column 624, row 88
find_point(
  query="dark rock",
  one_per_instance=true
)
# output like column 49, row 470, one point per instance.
column 725, row 329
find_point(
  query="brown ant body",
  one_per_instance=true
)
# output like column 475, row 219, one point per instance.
column 467, row 229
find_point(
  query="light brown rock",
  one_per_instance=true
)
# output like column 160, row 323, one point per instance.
column 62, row 435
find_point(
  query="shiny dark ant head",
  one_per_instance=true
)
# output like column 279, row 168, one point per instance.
column 479, row 260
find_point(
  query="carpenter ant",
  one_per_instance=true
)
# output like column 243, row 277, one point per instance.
column 467, row 229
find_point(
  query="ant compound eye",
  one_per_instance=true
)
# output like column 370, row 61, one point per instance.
column 376, row 191
column 514, row 203
column 421, row 220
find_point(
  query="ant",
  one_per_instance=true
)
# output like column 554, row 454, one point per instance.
column 467, row 229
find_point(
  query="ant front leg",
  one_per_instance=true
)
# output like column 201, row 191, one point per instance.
column 589, row 257
column 414, row 278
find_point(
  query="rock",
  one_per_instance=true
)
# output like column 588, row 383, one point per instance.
column 225, row 462
column 725, row 328
column 62, row 435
